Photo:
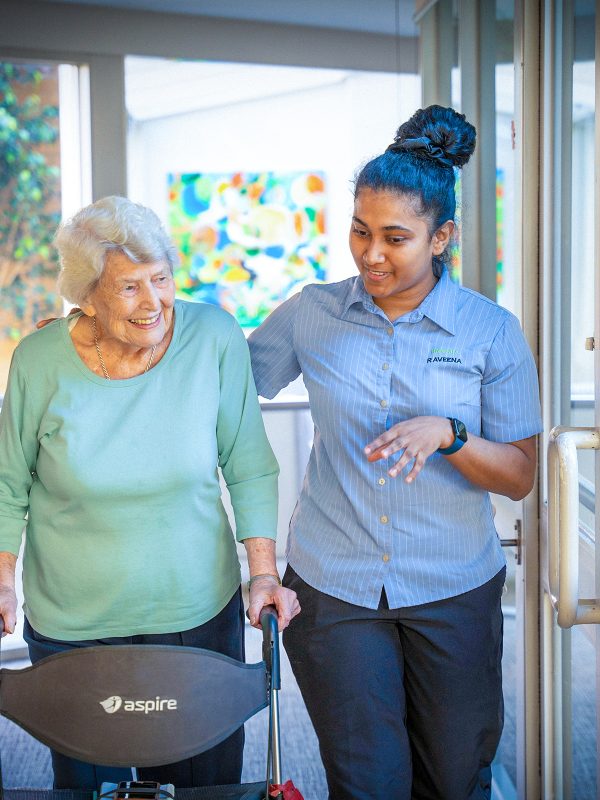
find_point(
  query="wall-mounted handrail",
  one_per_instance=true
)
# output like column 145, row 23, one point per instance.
column 563, row 525
column 285, row 405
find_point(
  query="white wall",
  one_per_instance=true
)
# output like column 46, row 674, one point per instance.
column 333, row 128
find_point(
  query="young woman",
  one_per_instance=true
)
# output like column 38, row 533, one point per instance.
column 424, row 398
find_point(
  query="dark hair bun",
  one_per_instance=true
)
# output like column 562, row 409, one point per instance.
column 439, row 134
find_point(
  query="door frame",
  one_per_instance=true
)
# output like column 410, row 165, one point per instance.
column 527, row 53
column 555, row 341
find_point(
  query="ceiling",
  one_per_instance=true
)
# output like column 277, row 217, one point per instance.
column 159, row 87
column 373, row 16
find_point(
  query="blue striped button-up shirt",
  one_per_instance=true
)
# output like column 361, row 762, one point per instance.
column 355, row 529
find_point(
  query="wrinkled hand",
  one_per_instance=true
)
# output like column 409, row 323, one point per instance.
column 418, row 437
column 43, row 322
column 8, row 608
column 265, row 592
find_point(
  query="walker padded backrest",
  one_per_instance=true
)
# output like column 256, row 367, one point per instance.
column 133, row 705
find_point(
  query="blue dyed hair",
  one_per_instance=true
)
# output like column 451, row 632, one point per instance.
column 420, row 163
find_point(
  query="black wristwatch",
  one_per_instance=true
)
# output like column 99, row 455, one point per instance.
column 460, row 437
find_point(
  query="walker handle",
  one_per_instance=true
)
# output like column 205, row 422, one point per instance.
column 270, row 647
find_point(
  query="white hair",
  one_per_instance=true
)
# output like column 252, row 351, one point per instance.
column 108, row 225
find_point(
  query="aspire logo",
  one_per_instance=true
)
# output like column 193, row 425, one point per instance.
column 113, row 703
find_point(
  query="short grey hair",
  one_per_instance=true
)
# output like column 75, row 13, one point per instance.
column 108, row 225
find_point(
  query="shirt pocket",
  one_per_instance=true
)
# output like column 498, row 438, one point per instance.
column 445, row 386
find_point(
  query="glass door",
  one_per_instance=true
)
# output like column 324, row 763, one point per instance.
column 571, row 614
column 550, row 277
column 468, row 61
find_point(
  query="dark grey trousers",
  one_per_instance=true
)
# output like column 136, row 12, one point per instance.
column 407, row 703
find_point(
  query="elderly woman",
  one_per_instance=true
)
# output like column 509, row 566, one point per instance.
column 114, row 423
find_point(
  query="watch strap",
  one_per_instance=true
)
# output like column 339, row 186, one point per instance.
column 458, row 441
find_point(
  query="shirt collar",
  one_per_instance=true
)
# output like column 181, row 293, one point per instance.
column 357, row 294
column 441, row 302
column 439, row 306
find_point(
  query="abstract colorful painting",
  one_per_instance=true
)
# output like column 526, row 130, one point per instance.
column 247, row 241
column 499, row 228
column 454, row 248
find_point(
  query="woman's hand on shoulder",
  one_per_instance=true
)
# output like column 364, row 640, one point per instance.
column 266, row 591
column 43, row 322
column 416, row 439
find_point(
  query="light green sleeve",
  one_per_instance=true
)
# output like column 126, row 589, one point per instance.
column 245, row 456
column 18, row 455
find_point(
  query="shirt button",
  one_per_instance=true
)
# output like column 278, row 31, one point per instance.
column 385, row 366
column 381, row 481
column 390, row 331
column 383, row 519
column 384, row 403
column 385, row 557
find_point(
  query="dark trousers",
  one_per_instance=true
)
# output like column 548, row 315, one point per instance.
column 220, row 765
column 406, row 703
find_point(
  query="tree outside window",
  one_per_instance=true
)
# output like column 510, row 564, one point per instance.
column 29, row 201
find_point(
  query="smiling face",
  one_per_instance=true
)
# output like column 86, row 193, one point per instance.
column 133, row 303
column 393, row 250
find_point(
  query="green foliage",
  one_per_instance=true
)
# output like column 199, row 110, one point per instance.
column 29, row 189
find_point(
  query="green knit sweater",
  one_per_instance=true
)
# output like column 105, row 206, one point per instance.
column 125, row 531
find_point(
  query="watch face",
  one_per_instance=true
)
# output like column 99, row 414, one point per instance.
column 460, row 430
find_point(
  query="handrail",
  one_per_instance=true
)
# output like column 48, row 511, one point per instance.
column 270, row 647
column 284, row 405
column 563, row 525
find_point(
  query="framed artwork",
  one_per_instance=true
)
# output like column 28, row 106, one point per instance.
column 247, row 241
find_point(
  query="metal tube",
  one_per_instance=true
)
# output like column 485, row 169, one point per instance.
column 275, row 737
column 563, row 525
column 551, row 704
column 565, row 640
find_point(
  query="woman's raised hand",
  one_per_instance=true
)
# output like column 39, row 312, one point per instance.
column 417, row 438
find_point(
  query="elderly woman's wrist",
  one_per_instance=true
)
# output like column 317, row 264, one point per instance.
column 271, row 577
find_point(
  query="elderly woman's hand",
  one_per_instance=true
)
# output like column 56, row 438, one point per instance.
column 8, row 597
column 266, row 591
column 418, row 438
column 8, row 608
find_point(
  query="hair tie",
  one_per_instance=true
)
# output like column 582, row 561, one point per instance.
column 422, row 146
